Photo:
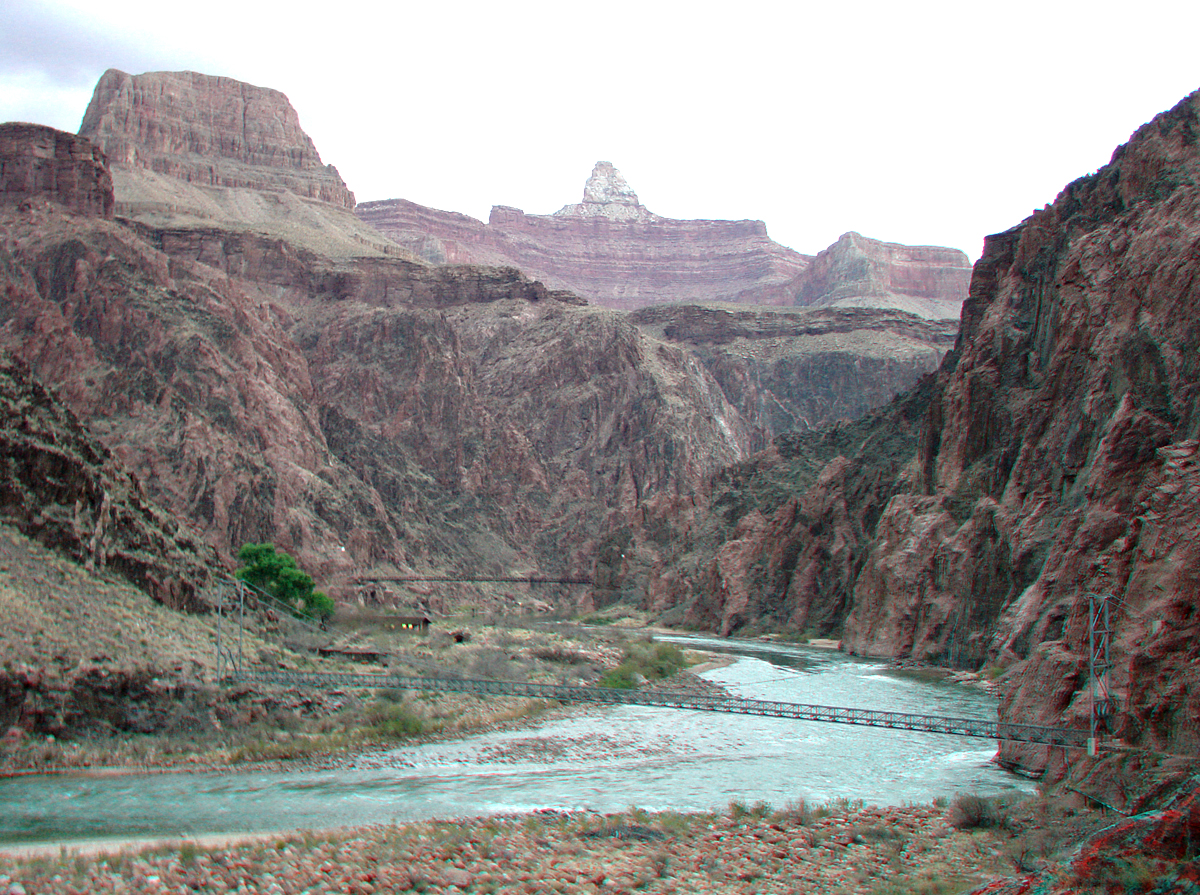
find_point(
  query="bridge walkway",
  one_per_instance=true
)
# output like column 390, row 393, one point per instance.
column 970, row 727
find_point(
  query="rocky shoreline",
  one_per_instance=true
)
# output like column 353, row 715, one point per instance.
column 837, row 848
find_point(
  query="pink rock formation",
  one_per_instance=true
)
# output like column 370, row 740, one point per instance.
column 615, row 252
column 40, row 162
column 608, row 248
column 859, row 272
column 209, row 131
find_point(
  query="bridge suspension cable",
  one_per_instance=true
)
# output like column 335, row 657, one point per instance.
column 970, row 727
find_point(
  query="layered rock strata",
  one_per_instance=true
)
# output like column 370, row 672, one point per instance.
column 857, row 272
column 608, row 248
column 1054, row 456
column 43, row 163
column 193, row 151
column 616, row 253
column 210, row 131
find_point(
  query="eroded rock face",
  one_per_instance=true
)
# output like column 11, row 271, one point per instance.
column 1055, row 455
column 209, row 131
column 61, row 487
column 367, row 416
column 616, row 253
column 39, row 162
column 609, row 196
column 609, row 248
column 800, row 370
column 857, row 272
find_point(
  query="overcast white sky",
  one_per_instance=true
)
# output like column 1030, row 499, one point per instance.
column 923, row 122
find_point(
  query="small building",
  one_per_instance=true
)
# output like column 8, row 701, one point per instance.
column 416, row 623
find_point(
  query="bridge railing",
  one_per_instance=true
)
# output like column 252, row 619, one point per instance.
column 970, row 727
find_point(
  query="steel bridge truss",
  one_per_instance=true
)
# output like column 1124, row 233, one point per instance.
column 969, row 727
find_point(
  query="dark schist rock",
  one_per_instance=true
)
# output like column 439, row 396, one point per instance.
column 63, row 488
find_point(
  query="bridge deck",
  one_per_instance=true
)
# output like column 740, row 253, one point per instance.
column 970, row 727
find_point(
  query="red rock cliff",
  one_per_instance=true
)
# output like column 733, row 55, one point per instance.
column 1055, row 454
column 615, row 252
column 209, row 131
column 39, row 161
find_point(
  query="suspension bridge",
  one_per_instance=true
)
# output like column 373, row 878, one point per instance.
column 231, row 668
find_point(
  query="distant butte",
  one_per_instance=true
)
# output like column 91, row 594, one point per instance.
column 615, row 252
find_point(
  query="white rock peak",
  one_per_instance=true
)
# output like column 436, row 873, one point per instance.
column 608, row 185
column 607, row 194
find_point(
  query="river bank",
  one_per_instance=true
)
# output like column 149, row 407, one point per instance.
column 835, row 848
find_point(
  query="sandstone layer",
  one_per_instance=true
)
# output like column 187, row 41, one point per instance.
column 1054, row 455
column 43, row 163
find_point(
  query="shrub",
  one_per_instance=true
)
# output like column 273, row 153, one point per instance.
column 396, row 721
column 277, row 574
column 972, row 812
column 653, row 661
column 619, row 678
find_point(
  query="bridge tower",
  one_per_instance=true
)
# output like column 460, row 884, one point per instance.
column 1099, row 666
column 230, row 599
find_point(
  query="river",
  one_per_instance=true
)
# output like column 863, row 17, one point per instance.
column 603, row 759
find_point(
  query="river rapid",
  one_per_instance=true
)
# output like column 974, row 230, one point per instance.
column 602, row 759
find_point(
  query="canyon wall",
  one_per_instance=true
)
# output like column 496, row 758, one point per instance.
column 797, row 370
column 279, row 376
column 608, row 248
column 370, row 414
column 616, row 253
column 1054, row 455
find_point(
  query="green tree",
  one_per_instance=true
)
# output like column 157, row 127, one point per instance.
column 277, row 574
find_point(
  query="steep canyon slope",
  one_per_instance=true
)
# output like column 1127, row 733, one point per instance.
column 1054, row 455
column 616, row 253
column 272, row 369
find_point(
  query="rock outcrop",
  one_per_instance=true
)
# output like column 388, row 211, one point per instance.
column 607, row 195
column 39, row 162
column 209, row 131
column 61, row 487
column 857, row 272
column 1054, row 455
